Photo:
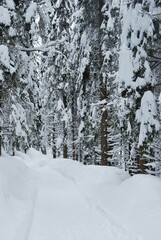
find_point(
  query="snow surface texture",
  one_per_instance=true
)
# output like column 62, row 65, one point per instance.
column 44, row 199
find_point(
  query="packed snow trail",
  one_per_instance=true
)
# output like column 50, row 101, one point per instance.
column 63, row 212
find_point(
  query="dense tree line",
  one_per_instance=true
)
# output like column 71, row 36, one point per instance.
column 83, row 78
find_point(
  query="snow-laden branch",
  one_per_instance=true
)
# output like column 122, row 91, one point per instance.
column 126, row 3
column 151, row 14
column 99, row 103
column 141, row 10
column 41, row 2
column 44, row 48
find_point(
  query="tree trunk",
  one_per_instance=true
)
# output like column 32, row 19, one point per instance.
column 65, row 150
column 1, row 118
column 104, row 126
column 53, row 143
column 74, row 128
column 104, row 145
column 141, row 160
column 0, row 139
column 13, row 148
column 103, row 95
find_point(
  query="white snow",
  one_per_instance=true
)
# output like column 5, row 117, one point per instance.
column 146, row 116
column 135, row 24
column 4, row 16
column 45, row 199
column 30, row 12
column 12, row 32
column 10, row 4
column 18, row 117
column 140, row 205
column 17, row 193
column 126, row 67
column 60, row 105
column 58, row 3
column 1, row 75
column 4, row 56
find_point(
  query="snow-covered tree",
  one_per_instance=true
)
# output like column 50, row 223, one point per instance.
column 17, row 28
column 136, row 83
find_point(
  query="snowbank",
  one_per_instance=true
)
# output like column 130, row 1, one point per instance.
column 136, row 203
column 133, row 202
column 17, row 193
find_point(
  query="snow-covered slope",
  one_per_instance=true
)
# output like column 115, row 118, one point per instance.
column 45, row 199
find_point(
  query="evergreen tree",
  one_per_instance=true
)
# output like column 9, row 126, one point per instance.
column 136, row 84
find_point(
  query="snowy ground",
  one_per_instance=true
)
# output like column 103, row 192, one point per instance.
column 46, row 199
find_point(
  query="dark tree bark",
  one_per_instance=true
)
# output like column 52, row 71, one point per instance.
column 103, row 96
column 0, row 118
column 53, row 143
column 65, row 149
column 104, row 144
column 74, row 122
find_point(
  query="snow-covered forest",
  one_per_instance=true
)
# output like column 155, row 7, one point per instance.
column 82, row 77
column 80, row 80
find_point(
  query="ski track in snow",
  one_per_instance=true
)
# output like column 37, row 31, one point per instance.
column 62, row 211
